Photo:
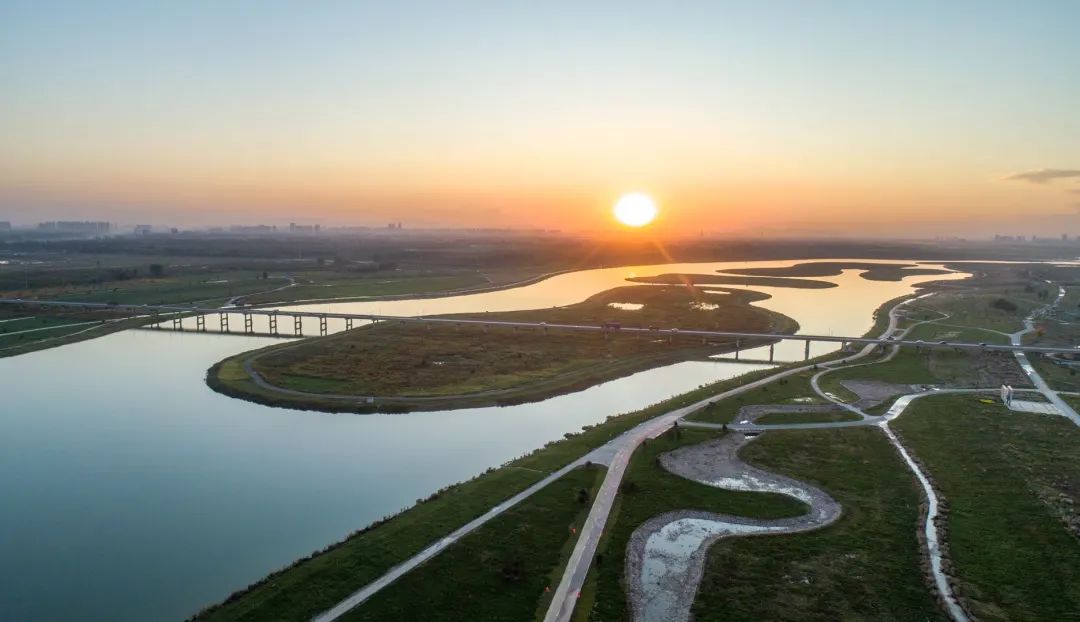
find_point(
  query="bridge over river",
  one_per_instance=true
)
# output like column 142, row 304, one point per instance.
column 177, row 313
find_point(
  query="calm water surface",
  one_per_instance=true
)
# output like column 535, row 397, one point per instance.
column 130, row 491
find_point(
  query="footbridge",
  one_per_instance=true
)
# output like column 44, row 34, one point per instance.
column 178, row 313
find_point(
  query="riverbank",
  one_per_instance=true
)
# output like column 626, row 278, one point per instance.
column 73, row 333
column 433, row 290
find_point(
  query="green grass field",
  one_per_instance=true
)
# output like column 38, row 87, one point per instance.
column 209, row 290
column 783, row 391
column 975, row 309
column 907, row 367
column 947, row 331
column 776, row 418
column 500, row 571
column 1011, row 481
column 866, row 566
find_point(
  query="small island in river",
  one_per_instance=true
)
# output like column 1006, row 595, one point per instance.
column 393, row 367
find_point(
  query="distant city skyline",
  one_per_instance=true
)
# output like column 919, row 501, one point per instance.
column 880, row 118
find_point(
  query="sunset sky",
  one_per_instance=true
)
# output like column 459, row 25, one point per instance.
column 744, row 117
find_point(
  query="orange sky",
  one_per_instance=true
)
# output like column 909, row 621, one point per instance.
column 750, row 120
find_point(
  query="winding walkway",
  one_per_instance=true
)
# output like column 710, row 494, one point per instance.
column 1016, row 338
column 666, row 554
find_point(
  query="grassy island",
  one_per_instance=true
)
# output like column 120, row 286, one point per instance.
column 406, row 367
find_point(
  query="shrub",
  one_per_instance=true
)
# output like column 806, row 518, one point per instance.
column 1004, row 304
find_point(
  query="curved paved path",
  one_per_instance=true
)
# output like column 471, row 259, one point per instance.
column 1016, row 338
column 666, row 554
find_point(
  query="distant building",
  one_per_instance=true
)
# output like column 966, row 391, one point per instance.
column 5, row 225
column 295, row 228
column 257, row 229
column 72, row 226
column 143, row 229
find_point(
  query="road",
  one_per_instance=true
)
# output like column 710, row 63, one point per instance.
column 55, row 327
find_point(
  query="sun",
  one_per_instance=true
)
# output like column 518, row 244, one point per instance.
column 635, row 209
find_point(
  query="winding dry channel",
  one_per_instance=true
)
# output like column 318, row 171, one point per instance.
column 666, row 554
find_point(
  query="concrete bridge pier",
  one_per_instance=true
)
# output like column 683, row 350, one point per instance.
column 298, row 325
column 772, row 347
column 223, row 321
column 200, row 323
column 348, row 323
column 806, row 354
column 273, row 323
column 249, row 326
column 322, row 325
column 178, row 322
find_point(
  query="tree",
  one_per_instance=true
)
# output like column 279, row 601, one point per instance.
column 156, row 270
column 582, row 496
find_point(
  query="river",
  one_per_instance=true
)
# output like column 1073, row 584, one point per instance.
column 132, row 492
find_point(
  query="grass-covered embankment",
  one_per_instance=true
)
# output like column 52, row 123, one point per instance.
column 314, row 584
column 1011, row 482
column 79, row 330
column 865, row 566
column 500, row 571
column 648, row 490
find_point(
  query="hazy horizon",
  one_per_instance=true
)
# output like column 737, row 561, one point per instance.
column 778, row 118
